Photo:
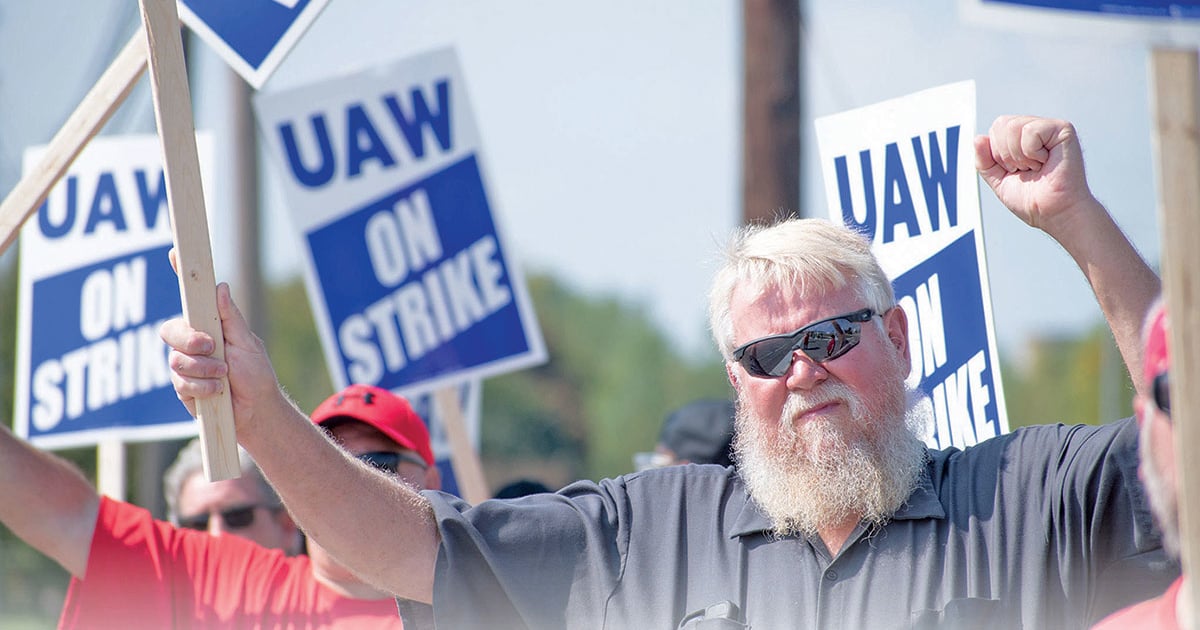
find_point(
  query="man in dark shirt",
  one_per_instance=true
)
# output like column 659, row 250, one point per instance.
column 838, row 516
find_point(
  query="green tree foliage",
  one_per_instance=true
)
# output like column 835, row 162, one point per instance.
column 1069, row 380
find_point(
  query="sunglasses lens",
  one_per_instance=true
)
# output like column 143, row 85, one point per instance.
column 387, row 462
column 1162, row 393
column 238, row 518
column 235, row 518
column 198, row 523
column 822, row 341
column 769, row 357
column 832, row 340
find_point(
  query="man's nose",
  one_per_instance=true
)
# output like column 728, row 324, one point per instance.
column 216, row 525
column 804, row 373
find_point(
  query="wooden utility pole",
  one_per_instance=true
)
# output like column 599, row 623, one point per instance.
column 771, row 109
column 247, row 283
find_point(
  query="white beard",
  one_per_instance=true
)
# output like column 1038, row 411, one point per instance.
column 819, row 475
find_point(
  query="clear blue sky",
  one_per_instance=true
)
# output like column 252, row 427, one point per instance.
column 610, row 129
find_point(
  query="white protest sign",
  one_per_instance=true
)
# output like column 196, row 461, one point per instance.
column 94, row 287
column 903, row 173
column 252, row 36
column 412, row 285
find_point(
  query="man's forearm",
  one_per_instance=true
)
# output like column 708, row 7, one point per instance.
column 1124, row 285
column 371, row 522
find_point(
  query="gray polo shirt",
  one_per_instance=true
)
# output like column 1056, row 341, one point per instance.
column 1045, row 527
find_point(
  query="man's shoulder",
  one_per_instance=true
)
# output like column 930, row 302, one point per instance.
column 682, row 479
column 1037, row 437
column 1037, row 453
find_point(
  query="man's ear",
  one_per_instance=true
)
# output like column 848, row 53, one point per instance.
column 733, row 377
column 895, row 324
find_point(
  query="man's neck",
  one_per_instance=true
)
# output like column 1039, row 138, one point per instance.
column 836, row 536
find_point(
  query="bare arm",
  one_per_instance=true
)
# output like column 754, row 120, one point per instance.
column 47, row 502
column 376, row 526
column 1035, row 167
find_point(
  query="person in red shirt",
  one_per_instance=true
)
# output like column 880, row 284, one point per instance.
column 1159, row 474
column 132, row 571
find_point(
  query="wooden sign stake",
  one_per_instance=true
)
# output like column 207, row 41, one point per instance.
column 189, row 224
column 467, row 469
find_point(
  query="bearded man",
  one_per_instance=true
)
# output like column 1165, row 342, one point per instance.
column 837, row 516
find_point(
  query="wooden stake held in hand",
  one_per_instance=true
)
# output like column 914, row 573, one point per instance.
column 185, row 198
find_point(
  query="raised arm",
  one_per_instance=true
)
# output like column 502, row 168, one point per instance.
column 379, row 527
column 47, row 502
column 1035, row 167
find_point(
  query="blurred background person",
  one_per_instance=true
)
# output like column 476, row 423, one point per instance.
column 1159, row 474
column 521, row 487
column 247, row 506
column 700, row 432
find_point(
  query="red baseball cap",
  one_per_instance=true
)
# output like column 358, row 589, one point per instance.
column 1157, row 358
column 378, row 407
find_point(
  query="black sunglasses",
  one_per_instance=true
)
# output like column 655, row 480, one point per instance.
column 1162, row 393
column 389, row 462
column 234, row 518
column 822, row 341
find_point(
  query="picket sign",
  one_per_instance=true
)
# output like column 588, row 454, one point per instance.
column 1176, row 77
column 189, row 225
column 468, row 472
column 84, row 123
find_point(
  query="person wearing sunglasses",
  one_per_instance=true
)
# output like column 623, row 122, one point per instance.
column 1160, row 476
column 246, row 506
column 837, row 515
column 211, row 566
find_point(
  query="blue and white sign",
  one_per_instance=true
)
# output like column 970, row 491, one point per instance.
column 1155, row 22
column 1171, row 9
column 95, row 285
column 412, row 285
column 903, row 173
column 252, row 36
